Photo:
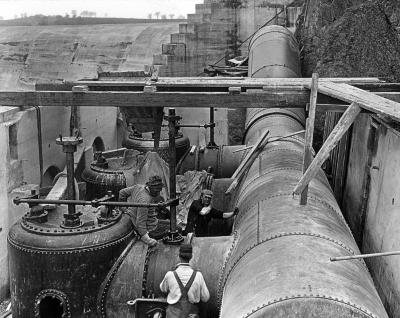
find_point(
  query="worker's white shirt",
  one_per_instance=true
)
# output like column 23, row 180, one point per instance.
column 198, row 291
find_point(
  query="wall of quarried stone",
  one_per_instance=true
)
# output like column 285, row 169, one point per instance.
column 350, row 38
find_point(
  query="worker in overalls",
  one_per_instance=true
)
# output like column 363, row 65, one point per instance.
column 185, row 287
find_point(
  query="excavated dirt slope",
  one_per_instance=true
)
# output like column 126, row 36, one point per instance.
column 351, row 38
column 28, row 54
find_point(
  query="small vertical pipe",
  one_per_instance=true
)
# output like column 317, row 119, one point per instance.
column 212, row 141
column 70, row 181
column 172, row 166
column 40, row 145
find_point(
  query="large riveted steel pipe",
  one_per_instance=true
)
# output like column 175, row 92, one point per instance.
column 280, row 262
column 145, row 268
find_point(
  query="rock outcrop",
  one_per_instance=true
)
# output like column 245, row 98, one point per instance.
column 350, row 38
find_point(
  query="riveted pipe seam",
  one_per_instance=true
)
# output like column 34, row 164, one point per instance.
column 260, row 34
column 290, row 195
column 295, row 123
column 260, row 274
column 274, row 113
column 342, row 301
column 321, row 289
column 220, row 286
column 253, row 113
column 101, row 297
column 316, row 235
column 260, row 179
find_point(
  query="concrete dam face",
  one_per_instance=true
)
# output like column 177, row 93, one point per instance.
column 56, row 53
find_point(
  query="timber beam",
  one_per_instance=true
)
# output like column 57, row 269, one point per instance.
column 205, row 92
column 276, row 98
column 273, row 98
column 209, row 83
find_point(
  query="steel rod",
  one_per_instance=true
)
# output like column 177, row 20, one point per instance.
column 40, row 143
column 94, row 203
column 345, row 258
column 70, row 181
column 172, row 166
column 209, row 125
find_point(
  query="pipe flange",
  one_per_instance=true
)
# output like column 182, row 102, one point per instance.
column 53, row 293
column 220, row 286
column 283, row 234
column 72, row 250
column 105, row 286
column 149, row 251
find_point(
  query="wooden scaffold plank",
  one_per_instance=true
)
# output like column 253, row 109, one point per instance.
column 342, row 126
column 364, row 99
column 307, row 158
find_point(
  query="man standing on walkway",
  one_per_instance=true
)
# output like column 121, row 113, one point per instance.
column 201, row 212
column 185, row 287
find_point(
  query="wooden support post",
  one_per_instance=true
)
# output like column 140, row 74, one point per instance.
column 75, row 121
column 307, row 157
column 342, row 126
column 158, row 115
column 248, row 161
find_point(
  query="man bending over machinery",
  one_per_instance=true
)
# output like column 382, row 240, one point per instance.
column 201, row 213
column 147, row 221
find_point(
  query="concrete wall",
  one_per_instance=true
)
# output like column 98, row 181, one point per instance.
column 34, row 53
column 256, row 13
column 209, row 35
column 372, row 202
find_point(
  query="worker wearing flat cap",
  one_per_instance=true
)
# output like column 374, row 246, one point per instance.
column 201, row 212
column 144, row 219
column 185, row 287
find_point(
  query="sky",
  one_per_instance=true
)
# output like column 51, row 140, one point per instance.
column 110, row 8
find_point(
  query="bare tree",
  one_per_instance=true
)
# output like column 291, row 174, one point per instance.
column 150, row 16
column 157, row 14
column 163, row 16
column 171, row 16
